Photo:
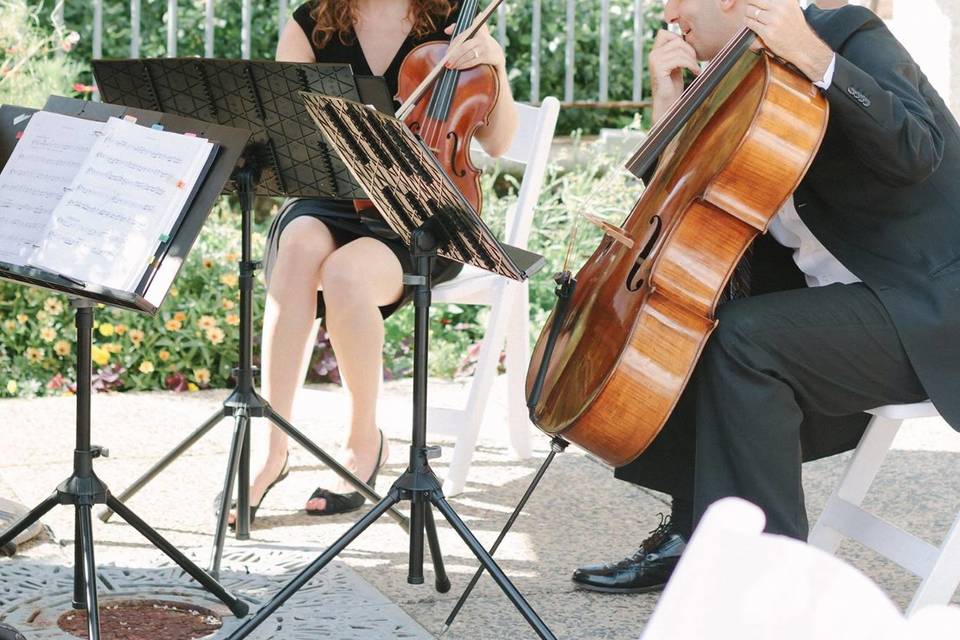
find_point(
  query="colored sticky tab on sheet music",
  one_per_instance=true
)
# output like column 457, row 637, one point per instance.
column 190, row 134
column 181, row 184
column 164, row 238
column 157, row 127
column 129, row 118
column 151, row 259
column 19, row 134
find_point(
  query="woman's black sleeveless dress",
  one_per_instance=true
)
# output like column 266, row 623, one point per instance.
column 339, row 215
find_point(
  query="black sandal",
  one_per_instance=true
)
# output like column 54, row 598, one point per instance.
column 345, row 502
column 284, row 472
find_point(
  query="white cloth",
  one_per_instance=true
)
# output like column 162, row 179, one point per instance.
column 828, row 76
column 818, row 265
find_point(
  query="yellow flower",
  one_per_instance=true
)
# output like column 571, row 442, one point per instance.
column 11, row 386
column 215, row 335
column 173, row 325
column 232, row 256
column 22, row 318
column 233, row 319
column 207, row 263
column 146, row 367
column 113, row 347
column 229, row 279
column 202, row 376
column 164, row 356
column 100, row 355
column 106, row 329
column 207, row 322
column 192, row 387
column 174, row 292
column 179, row 316
column 42, row 315
column 10, row 326
column 53, row 306
column 47, row 334
column 120, row 329
column 34, row 355
column 136, row 337
column 62, row 348
column 228, row 304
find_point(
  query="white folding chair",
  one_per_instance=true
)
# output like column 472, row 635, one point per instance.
column 508, row 301
column 938, row 567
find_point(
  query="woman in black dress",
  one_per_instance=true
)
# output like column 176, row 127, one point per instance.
column 323, row 262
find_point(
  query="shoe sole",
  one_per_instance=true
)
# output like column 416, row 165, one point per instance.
column 598, row 589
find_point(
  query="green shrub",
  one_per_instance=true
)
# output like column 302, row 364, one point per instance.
column 33, row 58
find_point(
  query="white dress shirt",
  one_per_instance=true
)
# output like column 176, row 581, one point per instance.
column 818, row 265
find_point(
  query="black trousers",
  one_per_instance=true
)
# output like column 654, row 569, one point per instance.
column 784, row 378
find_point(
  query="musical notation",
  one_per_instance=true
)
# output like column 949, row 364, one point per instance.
column 94, row 200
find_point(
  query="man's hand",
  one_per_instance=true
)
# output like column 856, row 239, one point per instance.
column 670, row 55
column 785, row 32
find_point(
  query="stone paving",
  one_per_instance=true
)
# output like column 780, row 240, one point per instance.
column 579, row 515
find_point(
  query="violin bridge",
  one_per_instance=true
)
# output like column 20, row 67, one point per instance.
column 616, row 233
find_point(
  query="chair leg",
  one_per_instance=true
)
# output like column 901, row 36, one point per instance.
column 518, row 359
column 941, row 583
column 857, row 478
column 479, row 393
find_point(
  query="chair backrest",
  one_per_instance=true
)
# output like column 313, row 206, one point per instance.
column 531, row 147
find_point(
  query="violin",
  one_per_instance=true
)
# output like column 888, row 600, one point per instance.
column 614, row 357
column 445, row 107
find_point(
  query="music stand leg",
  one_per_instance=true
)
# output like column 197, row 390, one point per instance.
column 79, row 583
column 165, row 462
column 233, row 462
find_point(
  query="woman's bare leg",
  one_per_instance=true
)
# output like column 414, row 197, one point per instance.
column 358, row 279
column 288, row 329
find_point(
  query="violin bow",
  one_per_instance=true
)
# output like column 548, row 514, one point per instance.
column 421, row 89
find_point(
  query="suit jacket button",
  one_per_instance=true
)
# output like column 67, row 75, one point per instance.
column 852, row 91
column 866, row 101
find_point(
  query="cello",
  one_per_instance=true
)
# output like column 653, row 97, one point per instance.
column 445, row 107
column 613, row 358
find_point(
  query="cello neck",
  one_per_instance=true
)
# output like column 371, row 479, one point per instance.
column 664, row 131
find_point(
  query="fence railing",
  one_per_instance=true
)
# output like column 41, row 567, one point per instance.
column 592, row 96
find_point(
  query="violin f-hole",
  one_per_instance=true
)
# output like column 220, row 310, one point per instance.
column 633, row 283
column 453, row 154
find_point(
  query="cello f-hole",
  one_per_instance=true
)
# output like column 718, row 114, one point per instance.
column 632, row 283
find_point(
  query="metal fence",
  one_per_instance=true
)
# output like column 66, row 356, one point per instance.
column 588, row 98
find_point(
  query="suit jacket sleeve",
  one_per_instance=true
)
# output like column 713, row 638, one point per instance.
column 876, row 98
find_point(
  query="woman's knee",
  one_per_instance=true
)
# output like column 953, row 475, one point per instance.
column 364, row 271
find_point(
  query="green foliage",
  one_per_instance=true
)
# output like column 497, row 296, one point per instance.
column 33, row 58
column 519, row 26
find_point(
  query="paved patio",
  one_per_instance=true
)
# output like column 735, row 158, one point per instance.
column 579, row 515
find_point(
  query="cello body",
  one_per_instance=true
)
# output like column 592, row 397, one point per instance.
column 640, row 317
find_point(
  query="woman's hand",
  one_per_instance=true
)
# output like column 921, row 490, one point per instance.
column 480, row 49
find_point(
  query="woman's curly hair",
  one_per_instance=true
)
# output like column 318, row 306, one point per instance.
column 336, row 17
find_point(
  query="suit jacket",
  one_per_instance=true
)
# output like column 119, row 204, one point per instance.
column 883, row 194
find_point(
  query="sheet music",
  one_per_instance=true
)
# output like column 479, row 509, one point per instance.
column 32, row 182
column 126, row 195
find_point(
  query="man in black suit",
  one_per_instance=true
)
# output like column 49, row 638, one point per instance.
column 855, row 300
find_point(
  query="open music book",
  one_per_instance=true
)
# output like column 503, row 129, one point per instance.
column 94, row 201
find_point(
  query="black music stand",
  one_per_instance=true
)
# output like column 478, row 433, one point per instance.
column 83, row 488
column 417, row 199
column 286, row 156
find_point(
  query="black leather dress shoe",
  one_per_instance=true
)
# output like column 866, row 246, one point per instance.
column 646, row 570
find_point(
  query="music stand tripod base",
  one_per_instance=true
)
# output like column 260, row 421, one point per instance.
column 418, row 484
column 83, row 489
